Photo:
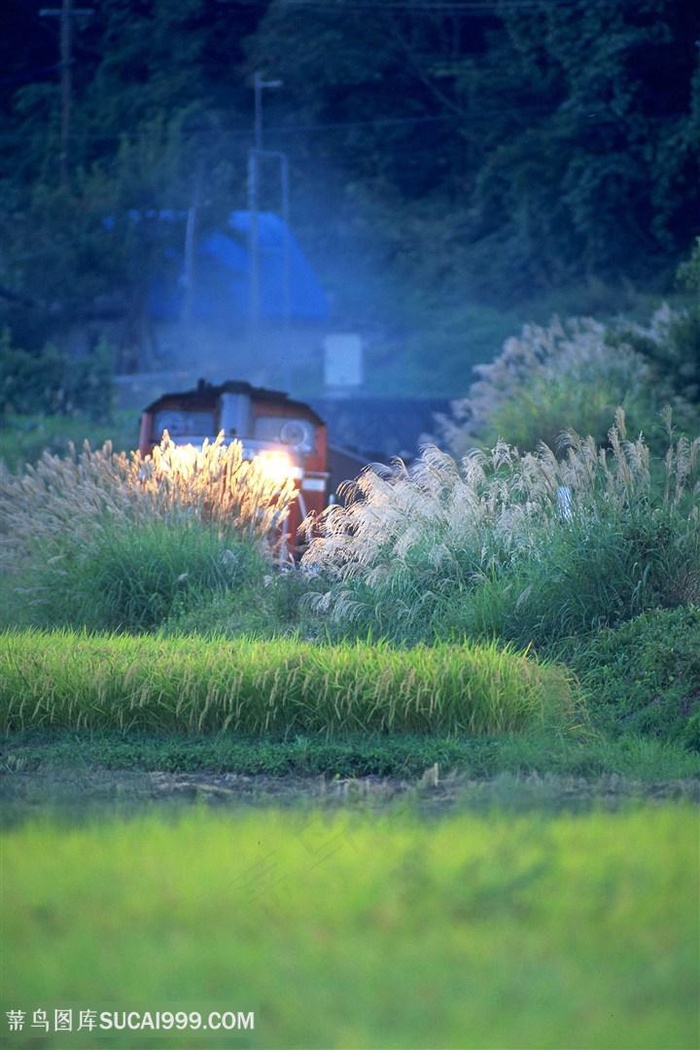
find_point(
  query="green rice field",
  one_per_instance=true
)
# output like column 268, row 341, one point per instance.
column 63, row 679
column 345, row 931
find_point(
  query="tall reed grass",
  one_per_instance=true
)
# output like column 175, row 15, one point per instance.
column 110, row 540
column 528, row 547
column 91, row 489
column 191, row 684
column 572, row 373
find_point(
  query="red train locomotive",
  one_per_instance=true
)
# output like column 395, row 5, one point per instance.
column 288, row 434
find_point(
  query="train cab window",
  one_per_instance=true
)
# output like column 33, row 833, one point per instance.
column 183, row 424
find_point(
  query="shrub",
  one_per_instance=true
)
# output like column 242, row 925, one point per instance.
column 488, row 548
column 24, row 439
column 643, row 677
column 134, row 577
column 53, row 382
column 670, row 346
column 266, row 604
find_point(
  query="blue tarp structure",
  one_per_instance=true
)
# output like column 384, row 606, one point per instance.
column 222, row 279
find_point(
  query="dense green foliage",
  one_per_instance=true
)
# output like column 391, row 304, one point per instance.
column 458, row 154
column 643, row 676
column 672, row 347
column 136, row 576
column 24, row 439
column 53, row 383
column 572, row 375
column 509, row 931
column 529, row 127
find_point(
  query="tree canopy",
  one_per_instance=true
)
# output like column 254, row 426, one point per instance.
column 489, row 148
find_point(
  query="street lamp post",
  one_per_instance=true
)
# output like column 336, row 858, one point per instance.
column 258, row 84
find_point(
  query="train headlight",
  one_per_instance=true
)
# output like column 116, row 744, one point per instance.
column 278, row 467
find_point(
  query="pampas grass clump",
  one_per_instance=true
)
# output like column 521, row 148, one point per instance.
column 521, row 546
column 91, row 489
column 553, row 377
column 113, row 541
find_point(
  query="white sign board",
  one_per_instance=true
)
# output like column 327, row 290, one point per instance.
column 342, row 360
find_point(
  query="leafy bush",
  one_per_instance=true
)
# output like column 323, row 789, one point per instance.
column 643, row 677
column 270, row 603
column 517, row 546
column 566, row 375
column 25, row 438
column 670, row 347
column 108, row 540
column 55, row 383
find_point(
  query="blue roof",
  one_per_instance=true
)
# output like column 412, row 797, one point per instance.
column 222, row 284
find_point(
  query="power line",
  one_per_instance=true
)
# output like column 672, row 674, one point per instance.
column 30, row 74
column 480, row 6
column 483, row 113
column 494, row 7
column 291, row 129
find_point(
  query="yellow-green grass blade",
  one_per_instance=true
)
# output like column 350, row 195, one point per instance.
column 63, row 679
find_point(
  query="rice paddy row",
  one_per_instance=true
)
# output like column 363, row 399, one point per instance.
column 78, row 681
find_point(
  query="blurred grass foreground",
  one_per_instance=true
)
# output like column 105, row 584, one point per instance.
column 518, row 931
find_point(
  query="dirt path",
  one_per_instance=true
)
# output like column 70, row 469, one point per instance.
column 89, row 792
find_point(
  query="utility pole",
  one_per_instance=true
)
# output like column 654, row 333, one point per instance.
column 188, row 276
column 254, row 155
column 66, row 13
